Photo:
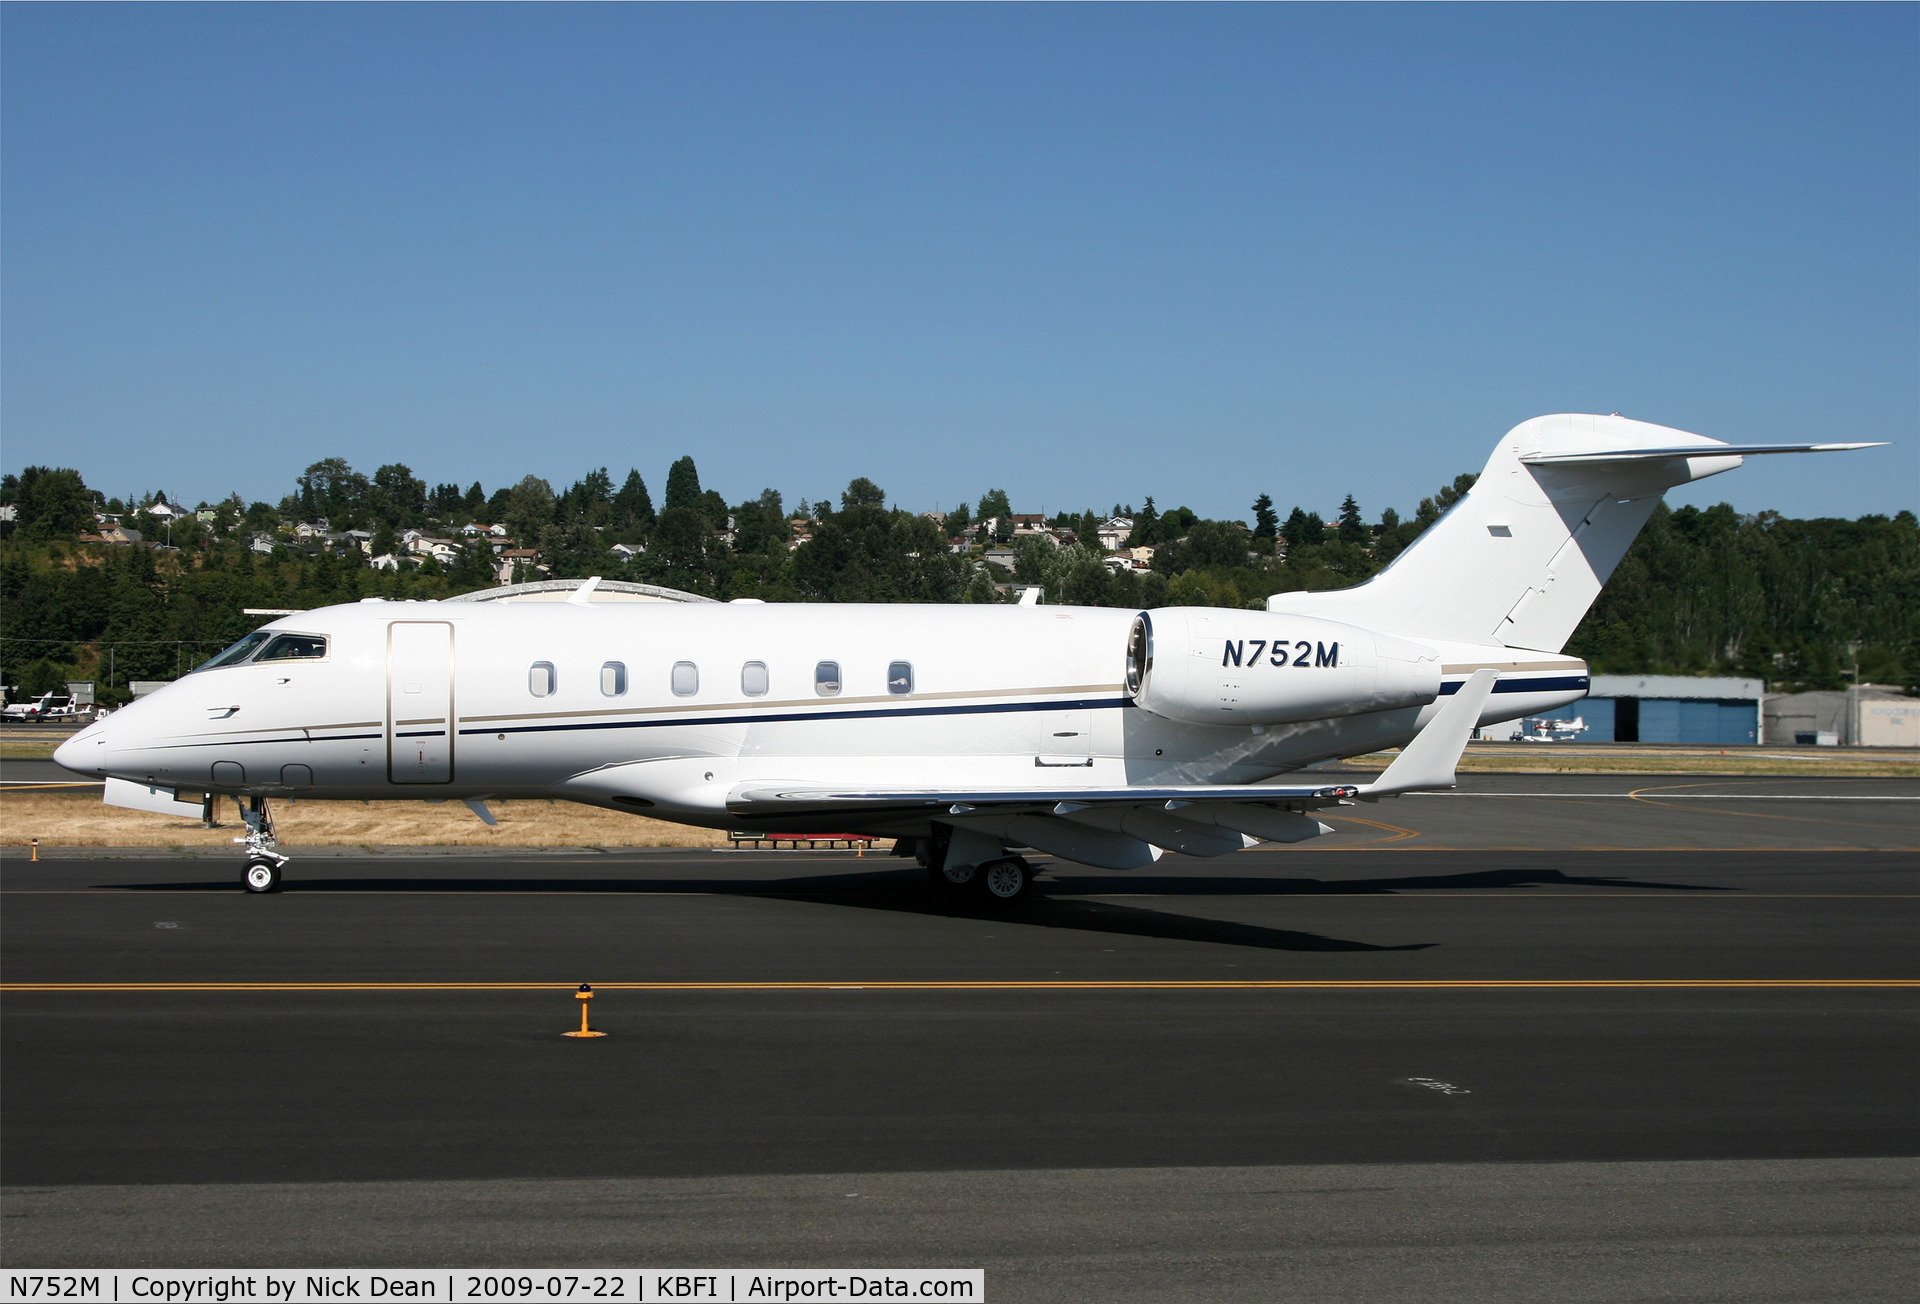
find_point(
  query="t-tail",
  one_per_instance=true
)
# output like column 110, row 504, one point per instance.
column 1518, row 560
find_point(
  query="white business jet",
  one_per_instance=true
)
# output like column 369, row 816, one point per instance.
column 966, row 732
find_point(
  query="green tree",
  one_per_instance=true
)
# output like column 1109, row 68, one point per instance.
column 633, row 506
column 1146, row 527
column 1353, row 528
column 1304, row 529
column 683, row 485
column 1266, row 522
column 397, row 496
column 332, row 489
column 529, row 509
column 52, row 502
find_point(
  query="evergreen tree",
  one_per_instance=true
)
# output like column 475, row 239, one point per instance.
column 1146, row 527
column 633, row 506
column 1266, row 522
column 683, row 485
column 1353, row 529
column 1304, row 529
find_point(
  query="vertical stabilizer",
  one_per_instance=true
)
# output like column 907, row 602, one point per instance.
column 1521, row 557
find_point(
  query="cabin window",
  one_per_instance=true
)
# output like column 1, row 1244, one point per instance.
column 613, row 679
column 295, row 647
column 826, row 679
column 753, row 679
column 900, row 678
column 540, row 679
column 686, row 679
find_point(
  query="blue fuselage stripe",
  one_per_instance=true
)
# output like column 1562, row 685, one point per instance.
column 875, row 713
column 1563, row 684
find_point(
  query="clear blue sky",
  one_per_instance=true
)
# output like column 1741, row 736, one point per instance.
column 1086, row 253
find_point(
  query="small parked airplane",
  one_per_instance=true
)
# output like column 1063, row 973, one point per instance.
column 1099, row 736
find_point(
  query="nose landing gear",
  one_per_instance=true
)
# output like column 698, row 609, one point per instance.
column 263, row 862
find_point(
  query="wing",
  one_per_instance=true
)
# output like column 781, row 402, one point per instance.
column 1105, row 826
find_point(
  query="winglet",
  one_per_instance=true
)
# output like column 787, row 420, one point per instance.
column 1429, row 760
column 583, row 596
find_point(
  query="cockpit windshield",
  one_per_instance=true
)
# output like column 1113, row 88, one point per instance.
column 295, row 647
column 239, row 652
column 267, row 645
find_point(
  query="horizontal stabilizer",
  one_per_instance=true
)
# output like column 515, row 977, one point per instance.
column 1429, row 761
column 1600, row 455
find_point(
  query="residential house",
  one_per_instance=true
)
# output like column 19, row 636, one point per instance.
column 1016, row 522
column 628, row 551
column 262, row 543
column 1114, row 531
column 386, row 561
column 310, row 530
column 1001, row 557
column 508, row 560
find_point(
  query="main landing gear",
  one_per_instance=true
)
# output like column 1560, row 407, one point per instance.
column 263, row 862
column 1002, row 880
column 1006, row 880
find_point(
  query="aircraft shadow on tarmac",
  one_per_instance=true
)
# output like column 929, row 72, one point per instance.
column 1054, row 904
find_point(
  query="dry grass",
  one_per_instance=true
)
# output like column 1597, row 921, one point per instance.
column 30, row 748
column 79, row 819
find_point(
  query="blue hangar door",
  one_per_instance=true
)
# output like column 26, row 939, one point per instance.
column 420, row 701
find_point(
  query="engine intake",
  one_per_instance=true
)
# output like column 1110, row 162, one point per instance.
column 1206, row 665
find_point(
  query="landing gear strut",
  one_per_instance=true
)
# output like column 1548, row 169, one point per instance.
column 931, row 853
column 263, row 862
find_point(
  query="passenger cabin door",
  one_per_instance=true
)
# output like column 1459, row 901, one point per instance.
column 1066, row 738
column 420, row 701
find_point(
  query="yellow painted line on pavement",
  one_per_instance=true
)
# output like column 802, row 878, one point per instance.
column 1285, row 984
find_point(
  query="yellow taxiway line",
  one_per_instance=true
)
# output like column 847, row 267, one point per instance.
column 1283, row 984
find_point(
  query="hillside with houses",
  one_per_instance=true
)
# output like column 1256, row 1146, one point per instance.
column 144, row 587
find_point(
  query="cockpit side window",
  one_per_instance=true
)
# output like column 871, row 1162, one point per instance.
column 295, row 647
column 239, row 652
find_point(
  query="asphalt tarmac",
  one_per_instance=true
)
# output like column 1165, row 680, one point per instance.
column 1597, row 1042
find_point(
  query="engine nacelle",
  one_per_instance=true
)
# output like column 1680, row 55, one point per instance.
column 1207, row 665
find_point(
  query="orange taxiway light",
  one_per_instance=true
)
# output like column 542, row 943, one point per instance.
column 584, row 995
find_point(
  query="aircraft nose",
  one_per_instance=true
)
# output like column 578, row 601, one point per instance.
column 84, row 753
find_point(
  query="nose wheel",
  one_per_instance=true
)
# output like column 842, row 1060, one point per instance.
column 264, row 864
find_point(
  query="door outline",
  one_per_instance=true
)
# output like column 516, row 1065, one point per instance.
column 392, row 722
column 1066, row 739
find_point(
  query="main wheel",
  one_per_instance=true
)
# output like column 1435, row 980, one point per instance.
column 261, row 876
column 1006, row 881
column 950, row 876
